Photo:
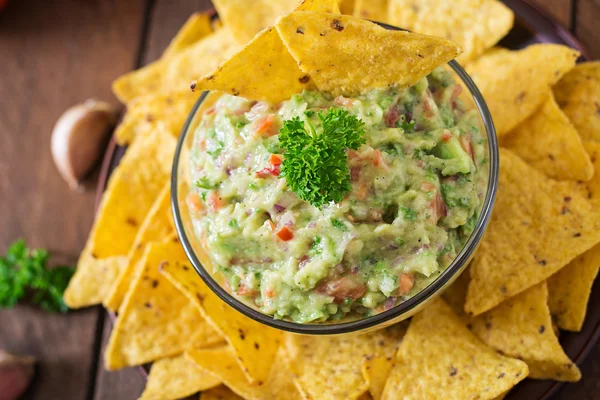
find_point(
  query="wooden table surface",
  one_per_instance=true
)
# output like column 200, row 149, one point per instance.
column 55, row 53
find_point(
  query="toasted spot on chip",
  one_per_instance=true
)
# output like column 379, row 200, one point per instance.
column 221, row 362
column 529, row 225
column 460, row 21
column 515, row 83
column 131, row 191
column 521, row 327
column 221, row 392
column 175, row 378
column 195, row 28
column 439, row 358
column 241, row 332
column 314, row 361
column 578, row 94
column 348, row 55
column 548, row 142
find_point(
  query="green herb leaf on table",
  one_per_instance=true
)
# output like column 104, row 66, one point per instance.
column 315, row 164
column 24, row 272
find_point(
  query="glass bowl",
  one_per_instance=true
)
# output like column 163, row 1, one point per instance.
column 197, row 255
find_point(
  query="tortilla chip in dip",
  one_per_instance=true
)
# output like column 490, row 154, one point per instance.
column 339, row 53
column 538, row 226
column 439, row 358
column 516, row 83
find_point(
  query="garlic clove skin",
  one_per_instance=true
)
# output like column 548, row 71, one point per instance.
column 16, row 373
column 79, row 139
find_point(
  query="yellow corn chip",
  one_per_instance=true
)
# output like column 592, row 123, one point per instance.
column 319, row 5
column 348, row 55
column 131, row 191
column 548, row 142
column 145, row 113
column 195, row 28
column 593, row 186
column 221, row 392
column 155, row 320
column 346, row 6
column 456, row 294
column 537, row 227
column 93, row 279
column 157, row 227
column 514, row 84
column 177, row 72
column 175, row 378
column 374, row 10
column 330, row 367
column 376, row 370
column 578, row 94
column 440, row 359
column 264, row 56
column 474, row 25
column 221, row 361
column 521, row 327
column 249, row 339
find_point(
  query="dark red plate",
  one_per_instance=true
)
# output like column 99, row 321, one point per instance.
column 531, row 26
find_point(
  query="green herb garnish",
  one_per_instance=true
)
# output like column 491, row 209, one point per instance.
column 339, row 225
column 24, row 272
column 204, row 183
column 315, row 164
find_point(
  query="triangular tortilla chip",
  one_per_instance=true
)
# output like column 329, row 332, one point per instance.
column 195, row 28
column 156, row 320
column 439, row 358
column 348, row 55
column 376, row 370
column 330, row 367
column 593, row 185
column 93, row 279
column 221, row 361
column 548, row 142
column 521, row 327
column 474, row 25
column 175, row 378
column 538, row 226
column 578, row 94
column 131, row 191
column 221, row 392
column 249, row 339
column 516, row 83
column 157, row 227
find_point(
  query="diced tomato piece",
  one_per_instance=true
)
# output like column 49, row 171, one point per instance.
column 285, row 234
column 270, row 293
column 427, row 186
column 407, row 281
column 439, row 207
column 456, row 91
column 194, row 203
column 344, row 101
column 265, row 126
column 446, row 135
column 244, row 290
column 378, row 160
column 362, row 191
column 274, row 170
column 275, row 159
column 210, row 111
column 346, row 287
column 465, row 143
column 271, row 225
column 392, row 117
column 354, row 173
column 214, row 201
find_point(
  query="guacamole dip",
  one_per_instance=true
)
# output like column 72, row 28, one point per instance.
column 415, row 184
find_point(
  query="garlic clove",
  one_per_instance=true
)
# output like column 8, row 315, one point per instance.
column 16, row 373
column 79, row 139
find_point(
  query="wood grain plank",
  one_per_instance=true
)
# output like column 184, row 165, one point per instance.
column 560, row 10
column 588, row 388
column 54, row 54
column 587, row 28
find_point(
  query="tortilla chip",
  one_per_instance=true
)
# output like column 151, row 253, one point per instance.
column 177, row 72
column 144, row 114
column 474, row 25
column 593, row 186
column 578, row 94
column 537, row 227
column 348, row 55
column 195, row 28
column 155, row 320
column 514, row 84
column 439, row 358
column 548, row 142
column 131, row 191
column 319, row 5
column 376, row 370
column 157, row 227
column 175, row 378
column 264, row 56
column 330, row 367
column 93, row 279
column 249, row 339
column 221, row 361
column 521, row 327
column 456, row 294
column 221, row 392
column 374, row 10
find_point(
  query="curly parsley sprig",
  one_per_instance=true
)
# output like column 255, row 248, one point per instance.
column 315, row 164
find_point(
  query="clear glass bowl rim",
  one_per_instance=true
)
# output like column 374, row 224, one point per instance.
column 369, row 322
